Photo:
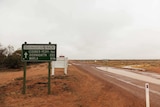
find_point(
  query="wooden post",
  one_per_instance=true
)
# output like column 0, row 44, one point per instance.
column 24, row 79
column 49, row 77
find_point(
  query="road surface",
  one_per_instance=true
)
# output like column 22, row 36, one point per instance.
column 130, row 80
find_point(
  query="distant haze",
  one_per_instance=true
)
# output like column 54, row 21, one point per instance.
column 85, row 29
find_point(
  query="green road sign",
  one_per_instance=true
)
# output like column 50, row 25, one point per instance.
column 39, row 52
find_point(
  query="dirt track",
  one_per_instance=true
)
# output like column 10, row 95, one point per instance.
column 77, row 89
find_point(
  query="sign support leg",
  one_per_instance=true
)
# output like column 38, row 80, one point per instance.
column 49, row 77
column 53, row 66
column 24, row 79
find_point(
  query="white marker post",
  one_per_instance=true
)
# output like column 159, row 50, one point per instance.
column 147, row 95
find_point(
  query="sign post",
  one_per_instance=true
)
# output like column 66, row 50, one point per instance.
column 38, row 53
column 49, row 77
column 24, row 78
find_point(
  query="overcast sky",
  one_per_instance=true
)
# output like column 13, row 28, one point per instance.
column 85, row 29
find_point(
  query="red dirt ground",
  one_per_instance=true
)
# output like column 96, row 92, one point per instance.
column 77, row 89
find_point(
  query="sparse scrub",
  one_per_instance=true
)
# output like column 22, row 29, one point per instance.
column 9, row 58
column 13, row 61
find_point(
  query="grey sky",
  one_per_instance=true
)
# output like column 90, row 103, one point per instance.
column 84, row 28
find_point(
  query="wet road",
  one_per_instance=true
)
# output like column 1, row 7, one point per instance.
column 131, row 74
column 129, row 80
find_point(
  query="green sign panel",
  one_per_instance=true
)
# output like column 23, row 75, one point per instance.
column 39, row 52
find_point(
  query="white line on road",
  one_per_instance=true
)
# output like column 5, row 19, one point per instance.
column 138, row 86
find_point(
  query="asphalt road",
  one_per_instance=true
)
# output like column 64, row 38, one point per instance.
column 130, row 80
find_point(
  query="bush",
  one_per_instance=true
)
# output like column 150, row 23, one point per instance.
column 2, row 58
column 13, row 61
